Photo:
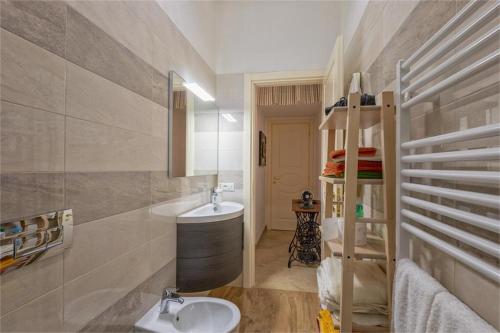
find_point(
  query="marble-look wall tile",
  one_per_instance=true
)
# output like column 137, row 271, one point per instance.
column 100, row 241
column 94, row 98
column 95, row 147
column 160, row 88
column 159, row 119
column 43, row 314
column 89, row 295
column 41, row 22
column 398, row 11
column 175, row 53
column 22, row 286
column 159, row 154
column 93, row 49
column 122, row 315
column 162, row 57
column 482, row 295
column 163, row 250
column 94, row 195
column 32, row 140
column 30, row 75
column 116, row 18
column 404, row 41
column 28, row 194
column 164, row 188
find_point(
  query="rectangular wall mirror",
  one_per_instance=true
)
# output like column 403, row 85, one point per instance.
column 193, row 132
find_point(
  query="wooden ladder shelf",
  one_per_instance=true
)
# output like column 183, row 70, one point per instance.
column 353, row 118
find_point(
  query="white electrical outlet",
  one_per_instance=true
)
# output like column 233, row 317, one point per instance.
column 227, row 187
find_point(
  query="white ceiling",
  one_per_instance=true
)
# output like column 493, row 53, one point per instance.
column 259, row 36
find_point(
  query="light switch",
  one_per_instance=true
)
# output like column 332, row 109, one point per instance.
column 227, row 187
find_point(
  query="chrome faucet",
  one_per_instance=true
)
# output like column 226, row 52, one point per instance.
column 169, row 295
column 215, row 198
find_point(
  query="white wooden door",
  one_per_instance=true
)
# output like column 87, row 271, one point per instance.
column 290, row 170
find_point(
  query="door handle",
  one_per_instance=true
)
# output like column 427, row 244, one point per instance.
column 276, row 178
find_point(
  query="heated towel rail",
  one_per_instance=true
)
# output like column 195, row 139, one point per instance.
column 432, row 204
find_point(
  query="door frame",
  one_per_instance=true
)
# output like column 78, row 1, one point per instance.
column 250, row 150
column 312, row 149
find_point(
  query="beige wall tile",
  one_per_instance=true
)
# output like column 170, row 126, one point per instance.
column 436, row 263
column 160, row 88
column 121, row 316
column 91, row 97
column 91, row 294
column 24, row 285
column 44, row 314
column 28, row 194
column 100, row 241
column 30, row 75
column 116, row 19
column 398, row 11
column 163, row 250
column 96, row 147
column 163, row 59
column 32, row 140
column 95, row 195
column 41, row 22
column 159, row 119
column 479, row 293
column 159, row 151
column 90, row 47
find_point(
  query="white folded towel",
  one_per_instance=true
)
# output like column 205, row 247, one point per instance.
column 449, row 315
column 414, row 292
column 369, row 294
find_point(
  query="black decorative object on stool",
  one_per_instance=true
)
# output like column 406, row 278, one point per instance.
column 305, row 246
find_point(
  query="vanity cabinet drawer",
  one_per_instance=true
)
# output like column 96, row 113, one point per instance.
column 200, row 240
column 200, row 274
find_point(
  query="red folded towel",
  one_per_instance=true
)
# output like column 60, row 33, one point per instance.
column 362, row 151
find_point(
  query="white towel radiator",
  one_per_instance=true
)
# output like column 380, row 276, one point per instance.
column 438, row 65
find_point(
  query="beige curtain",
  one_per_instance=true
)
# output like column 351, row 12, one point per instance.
column 289, row 95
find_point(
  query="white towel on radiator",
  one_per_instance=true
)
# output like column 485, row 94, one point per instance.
column 449, row 315
column 414, row 292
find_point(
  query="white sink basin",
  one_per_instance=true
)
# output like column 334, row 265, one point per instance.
column 196, row 314
column 206, row 213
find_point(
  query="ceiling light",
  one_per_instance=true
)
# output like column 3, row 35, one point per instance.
column 199, row 91
column 229, row 117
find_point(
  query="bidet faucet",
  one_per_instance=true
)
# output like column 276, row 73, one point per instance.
column 169, row 295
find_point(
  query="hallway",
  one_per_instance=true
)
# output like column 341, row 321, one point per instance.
column 271, row 257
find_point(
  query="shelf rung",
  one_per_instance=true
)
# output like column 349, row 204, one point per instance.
column 332, row 180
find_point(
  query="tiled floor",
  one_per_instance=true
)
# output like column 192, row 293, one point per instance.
column 271, row 258
column 268, row 310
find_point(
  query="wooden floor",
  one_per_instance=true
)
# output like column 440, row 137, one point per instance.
column 270, row 310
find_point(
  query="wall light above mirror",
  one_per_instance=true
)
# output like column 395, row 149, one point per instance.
column 193, row 121
column 199, row 91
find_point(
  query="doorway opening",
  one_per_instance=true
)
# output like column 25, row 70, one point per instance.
column 285, row 161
